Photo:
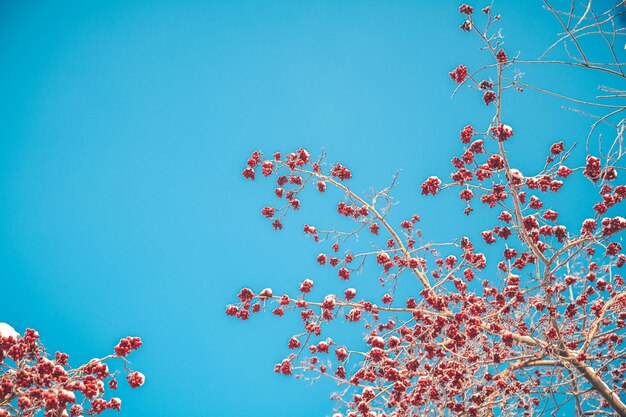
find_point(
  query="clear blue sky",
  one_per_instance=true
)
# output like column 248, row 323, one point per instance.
column 124, row 129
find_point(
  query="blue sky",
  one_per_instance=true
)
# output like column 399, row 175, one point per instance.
column 125, row 126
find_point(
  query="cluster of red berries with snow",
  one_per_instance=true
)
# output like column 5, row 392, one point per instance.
column 31, row 382
column 490, row 324
column 459, row 74
column 298, row 167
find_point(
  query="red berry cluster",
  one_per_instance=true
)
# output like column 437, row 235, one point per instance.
column 127, row 345
column 459, row 74
column 31, row 382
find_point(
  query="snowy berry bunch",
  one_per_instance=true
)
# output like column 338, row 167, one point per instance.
column 32, row 382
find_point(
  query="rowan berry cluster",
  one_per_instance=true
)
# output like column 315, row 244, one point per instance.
column 459, row 74
column 31, row 382
column 127, row 345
